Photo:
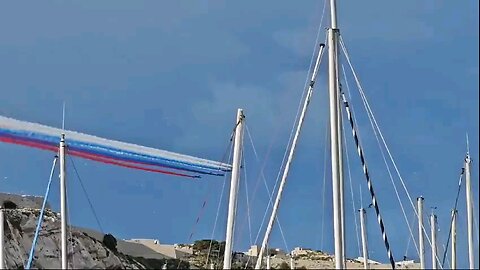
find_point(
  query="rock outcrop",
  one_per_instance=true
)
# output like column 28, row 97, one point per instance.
column 85, row 251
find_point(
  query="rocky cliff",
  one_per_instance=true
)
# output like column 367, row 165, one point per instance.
column 84, row 251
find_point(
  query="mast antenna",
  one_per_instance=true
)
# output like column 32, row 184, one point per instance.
column 63, row 117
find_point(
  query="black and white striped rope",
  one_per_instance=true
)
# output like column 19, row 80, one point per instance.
column 369, row 182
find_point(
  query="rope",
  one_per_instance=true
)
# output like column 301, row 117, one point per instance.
column 86, row 194
column 369, row 183
column 248, row 204
column 40, row 217
column 451, row 220
column 228, row 151
column 267, row 189
column 299, row 108
column 349, row 172
column 218, row 210
column 324, row 183
column 374, row 124
column 270, row 194
column 410, row 238
column 391, row 179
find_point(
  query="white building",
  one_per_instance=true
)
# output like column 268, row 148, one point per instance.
column 253, row 251
column 175, row 251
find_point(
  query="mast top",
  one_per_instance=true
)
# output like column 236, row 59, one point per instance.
column 468, row 147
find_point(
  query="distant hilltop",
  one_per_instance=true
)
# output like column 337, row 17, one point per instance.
column 94, row 249
column 12, row 201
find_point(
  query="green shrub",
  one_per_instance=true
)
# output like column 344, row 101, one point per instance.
column 110, row 242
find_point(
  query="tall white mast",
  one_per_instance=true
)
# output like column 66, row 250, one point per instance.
column 454, row 239
column 433, row 227
column 232, row 203
column 268, row 261
column 468, row 189
column 335, row 146
column 276, row 204
column 63, row 202
column 363, row 228
column 420, row 232
column 2, row 231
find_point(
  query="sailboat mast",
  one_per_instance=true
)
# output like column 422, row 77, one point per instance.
column 468, row 190
column 63, row 202
column 2, row 231
column 454, row 239
column 335, row 146
column 363, row 228
column 232, row 203
column 420, row 232
column 291, row 153
column 433, row 227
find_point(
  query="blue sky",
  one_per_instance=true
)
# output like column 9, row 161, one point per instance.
column 172, row 74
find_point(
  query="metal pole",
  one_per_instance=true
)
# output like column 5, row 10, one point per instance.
column 63, row 202
column 268, row 261
column 292, row 263
column 335, row 146
column 2, row 231
column 468, row 190
column 232, row 203
column 433, row 227
column 276, row 204
column 454, row 239
column 420, row 232
column 363, row 228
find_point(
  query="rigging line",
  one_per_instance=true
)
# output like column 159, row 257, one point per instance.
column 218, row 210
column 455, row 209
column 350, row 180
column 440, row 247
column 427, row 217
column 86, row 194
column 40, row 217
column 369, row 183
column 321, row 20
column 374, row 123
column 391, row 178
column 351, row 190
column 228, row 146
column 297, row 117
column 370, row 112
column 70, row 230
column 260, row 174
column 270, row 194
column 290, row 140
column 291, row 152
column 247, row 198
column 324, row 182
column 410, row 238
column 387, row 166
column 244, row 167
column 209, row 191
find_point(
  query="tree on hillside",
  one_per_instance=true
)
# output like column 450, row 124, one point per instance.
column 203, row 246
column 110, row 242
